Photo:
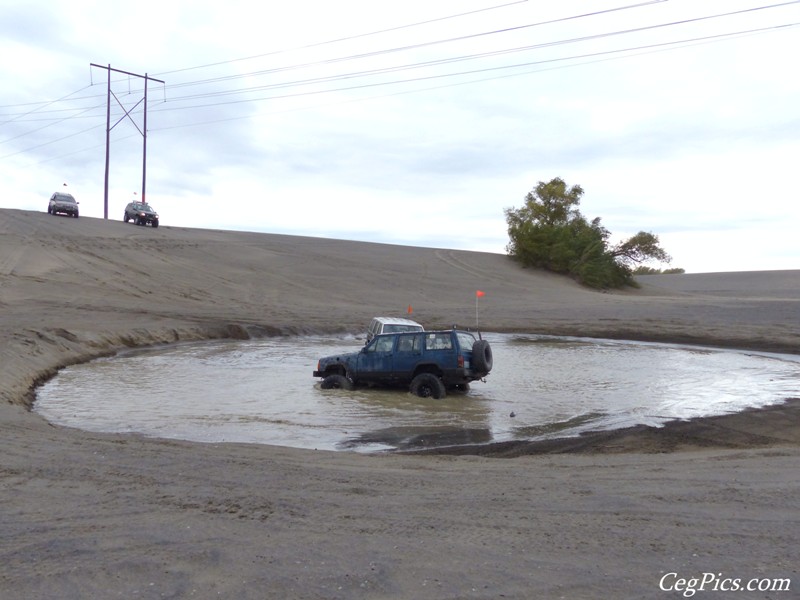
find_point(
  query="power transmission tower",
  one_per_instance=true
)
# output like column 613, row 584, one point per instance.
column 127, row 112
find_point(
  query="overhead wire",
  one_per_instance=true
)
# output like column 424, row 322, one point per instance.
column 407, row 47
column 602, row 56
column 442, row 41
column 634, row 49
column 307, row 46
column 377, row 52
column 461, row 58
column 351, row 37
column 40, row 105
column 53, row 122
column 385, row 70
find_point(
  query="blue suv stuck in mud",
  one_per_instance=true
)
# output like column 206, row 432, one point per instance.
column 429, row 363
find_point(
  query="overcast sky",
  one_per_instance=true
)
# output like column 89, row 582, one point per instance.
column 416, row 122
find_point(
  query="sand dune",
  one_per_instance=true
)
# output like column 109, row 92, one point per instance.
column 100, row 516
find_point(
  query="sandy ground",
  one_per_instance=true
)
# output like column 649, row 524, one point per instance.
column 606, row 516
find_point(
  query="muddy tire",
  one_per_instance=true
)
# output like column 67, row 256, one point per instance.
column 428, row 385
column 336, row 382
column 482, row 359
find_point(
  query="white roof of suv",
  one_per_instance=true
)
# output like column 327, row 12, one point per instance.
column 380, row 325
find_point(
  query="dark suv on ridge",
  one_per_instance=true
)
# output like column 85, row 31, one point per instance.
column 140, row 213
column 63, row 203
column 429, row 362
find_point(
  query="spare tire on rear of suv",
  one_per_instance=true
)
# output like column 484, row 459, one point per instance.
column 482, row 359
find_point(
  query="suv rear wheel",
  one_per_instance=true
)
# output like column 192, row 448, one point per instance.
column 428, row 385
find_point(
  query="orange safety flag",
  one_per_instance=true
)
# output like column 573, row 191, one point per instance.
column 479, row 294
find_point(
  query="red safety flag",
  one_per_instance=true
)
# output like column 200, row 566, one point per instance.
column 479, row 294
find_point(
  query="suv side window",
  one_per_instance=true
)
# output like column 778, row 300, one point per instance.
column 465, row 340
column 438, row 341
column 409, row 343
column 383, row 343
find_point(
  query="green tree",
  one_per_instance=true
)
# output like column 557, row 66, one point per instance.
column 644, row 270
column 641, row 247
column 550, row 232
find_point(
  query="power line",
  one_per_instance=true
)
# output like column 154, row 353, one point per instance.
column 40, row 105
column 452, row 59
column 488, row 69
column 61, row 139
column 585, row 58
column 349, row 38
column 436, row 42
column 391, row 69
column 384, row 51
column 600, row 56
column 493, row 32
column 56, row 122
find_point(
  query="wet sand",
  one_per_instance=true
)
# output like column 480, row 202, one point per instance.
column 605, row 515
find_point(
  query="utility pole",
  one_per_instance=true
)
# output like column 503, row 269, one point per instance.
column 109, row 127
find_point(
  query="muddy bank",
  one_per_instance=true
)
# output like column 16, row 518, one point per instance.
column 766, row 427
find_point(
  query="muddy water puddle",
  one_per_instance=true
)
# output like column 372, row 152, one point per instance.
column 262, row 391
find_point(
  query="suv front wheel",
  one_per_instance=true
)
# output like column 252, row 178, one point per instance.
column 336, row 382
column 427, row 385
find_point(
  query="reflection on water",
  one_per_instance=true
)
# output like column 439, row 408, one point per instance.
column 262, row 391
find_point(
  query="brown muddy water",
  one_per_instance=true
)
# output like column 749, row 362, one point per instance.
column 262, row 391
